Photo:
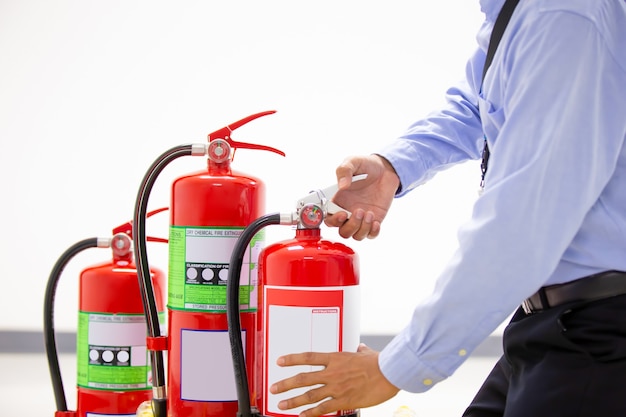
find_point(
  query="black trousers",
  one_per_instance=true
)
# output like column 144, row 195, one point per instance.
column 566, row 361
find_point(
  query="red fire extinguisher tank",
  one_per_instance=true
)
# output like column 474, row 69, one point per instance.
column 309, row 298
column 208, row 212
column 113, row 375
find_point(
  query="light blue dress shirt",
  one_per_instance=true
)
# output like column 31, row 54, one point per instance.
column 553, row 109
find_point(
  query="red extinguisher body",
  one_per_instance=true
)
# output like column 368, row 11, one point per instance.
column 309, row 301
column 208, row 212
column 113, row 375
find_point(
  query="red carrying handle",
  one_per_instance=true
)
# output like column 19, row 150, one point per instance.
column 225, row 132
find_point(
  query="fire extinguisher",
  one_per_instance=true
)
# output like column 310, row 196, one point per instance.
column 309, row 299
column 112, row 360
column 208, row 211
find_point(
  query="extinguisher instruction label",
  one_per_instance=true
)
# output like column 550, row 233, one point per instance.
column 111, row 351
column 198, row 268
column 305, row 319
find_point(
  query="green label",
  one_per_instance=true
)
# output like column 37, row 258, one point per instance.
column 111, row 351
column 198, row 268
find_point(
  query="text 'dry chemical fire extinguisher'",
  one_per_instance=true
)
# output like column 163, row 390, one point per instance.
column 208, row 211
column 309, row 300
column 113, row 372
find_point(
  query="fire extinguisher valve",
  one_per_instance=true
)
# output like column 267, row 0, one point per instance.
column 313, row 209
column 121, row 244
column 219, row 151
column 311, row 216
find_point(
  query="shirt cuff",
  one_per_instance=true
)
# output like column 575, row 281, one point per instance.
column 408, row 166
column 404, row 369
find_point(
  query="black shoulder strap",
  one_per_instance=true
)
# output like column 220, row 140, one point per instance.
column 496, row 34
column 498, row 30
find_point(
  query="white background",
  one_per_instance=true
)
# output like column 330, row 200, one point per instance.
column 92, row 92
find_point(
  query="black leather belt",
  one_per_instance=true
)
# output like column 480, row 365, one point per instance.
column 593, row 287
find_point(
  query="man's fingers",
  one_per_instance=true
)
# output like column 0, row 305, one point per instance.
column 364, row 348
column 361, row 225
column 366, row 218
column 311, row 396
column 375, row 230
column 344, row 173
column 348, row 381
column 344, row 182
column 306, row 358
column 337, row 219
column 325, row 407
column 304, row 379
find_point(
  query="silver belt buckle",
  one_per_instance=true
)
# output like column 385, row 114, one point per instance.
column 527, row 306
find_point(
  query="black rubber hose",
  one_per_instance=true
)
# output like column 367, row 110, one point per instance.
column 48, row 318
column 232, row 309
column 143, row 267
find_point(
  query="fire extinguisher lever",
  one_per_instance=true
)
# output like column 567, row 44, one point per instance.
column 225, row 132
column 127, row 228
column 323, row 198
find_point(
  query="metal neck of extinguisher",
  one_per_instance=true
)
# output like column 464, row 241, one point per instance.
column 309, row 215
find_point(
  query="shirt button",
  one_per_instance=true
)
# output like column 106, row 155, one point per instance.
column 427, row 382
column 462, row 352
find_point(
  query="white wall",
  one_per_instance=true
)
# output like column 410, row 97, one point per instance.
column 91, row 92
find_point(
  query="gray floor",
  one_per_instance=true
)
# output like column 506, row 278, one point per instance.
column 25, row 388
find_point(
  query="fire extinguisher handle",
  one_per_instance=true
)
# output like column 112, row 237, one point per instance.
column 323, row 198
column 225, row 132
column 127, row 228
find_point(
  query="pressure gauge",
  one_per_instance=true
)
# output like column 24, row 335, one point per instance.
column 121, row 244
column 219, row 150
column 311, row 216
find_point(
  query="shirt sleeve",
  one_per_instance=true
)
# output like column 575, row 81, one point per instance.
column 550, row 118
column 444, row 138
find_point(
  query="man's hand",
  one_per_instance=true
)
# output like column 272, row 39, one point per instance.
column 349, row 381
column 368, row 200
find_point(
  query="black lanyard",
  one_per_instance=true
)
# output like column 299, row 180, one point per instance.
column 496, row 34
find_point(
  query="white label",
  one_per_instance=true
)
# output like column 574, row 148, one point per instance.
column 198, row 269
column 206, row 366
column 199, row 247
column 119, row 330
column 319, row 319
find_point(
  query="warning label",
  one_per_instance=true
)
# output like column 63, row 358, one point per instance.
column 198, row 268
column 111, row 351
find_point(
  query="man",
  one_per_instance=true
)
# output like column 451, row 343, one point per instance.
column 548, row 232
